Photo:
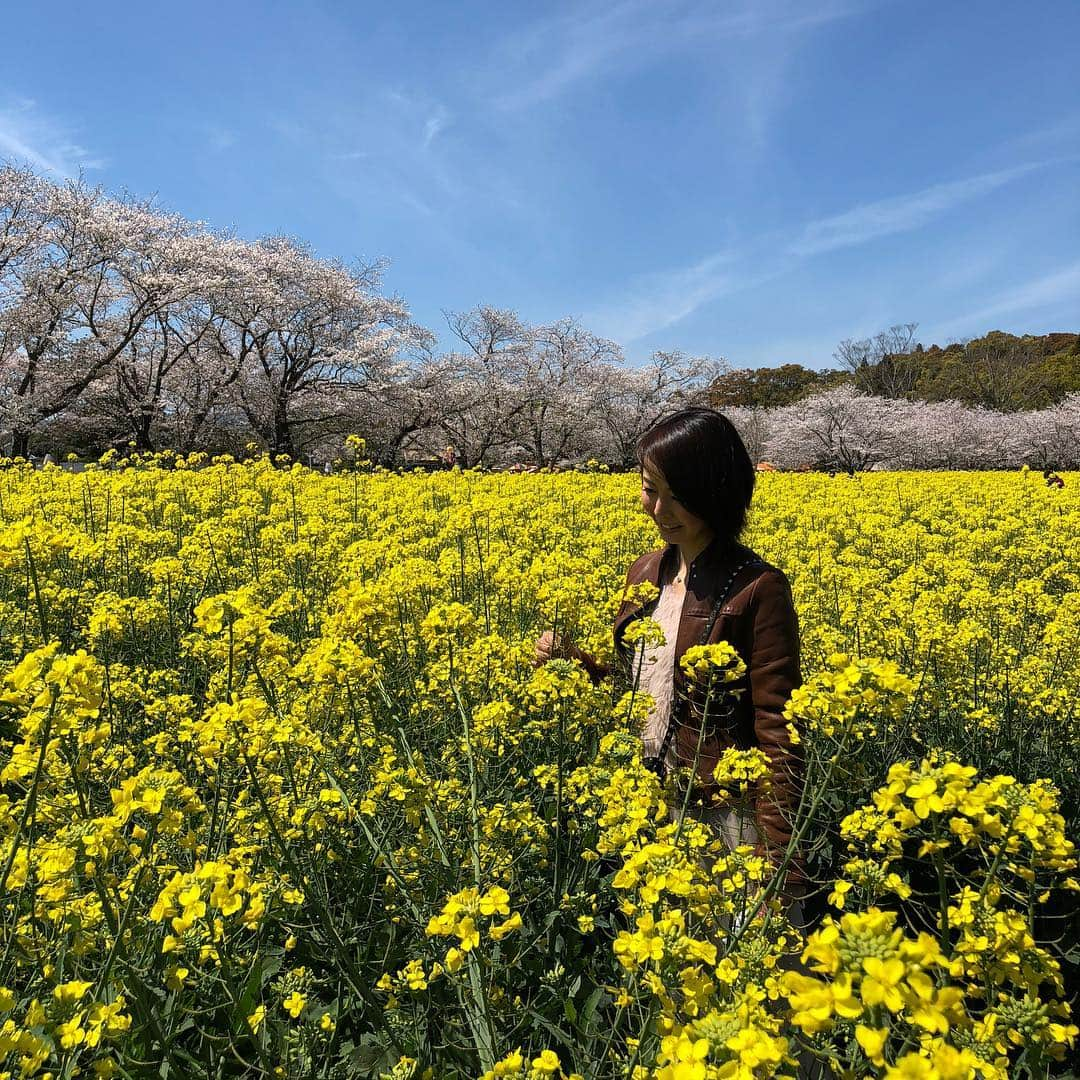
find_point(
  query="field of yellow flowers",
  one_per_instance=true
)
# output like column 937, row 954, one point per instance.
column 281, row 793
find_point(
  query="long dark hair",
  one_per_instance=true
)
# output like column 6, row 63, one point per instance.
column 706, row 465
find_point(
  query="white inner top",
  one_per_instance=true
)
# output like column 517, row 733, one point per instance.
column 735, row 824
column 658, row 672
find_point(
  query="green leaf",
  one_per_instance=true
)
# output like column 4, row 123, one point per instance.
column 262, row 971
column 588, row 1010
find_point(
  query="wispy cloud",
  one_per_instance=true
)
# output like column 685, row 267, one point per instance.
column 388, row 142
column 436, row 122
column 899, row 214
column 1057, row 290
column 1061, row 135
column 400, row 148
column 969, row 268
column 28, row 136
column 657, row 301
column 218, row 138
column 598, row 39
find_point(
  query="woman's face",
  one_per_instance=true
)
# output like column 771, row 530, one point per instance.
column 676, row 524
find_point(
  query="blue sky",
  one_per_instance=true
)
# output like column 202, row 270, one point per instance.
column 747, row 180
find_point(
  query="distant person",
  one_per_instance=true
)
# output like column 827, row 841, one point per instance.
column 697, row 480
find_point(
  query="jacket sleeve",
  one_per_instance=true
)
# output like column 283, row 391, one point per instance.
column 597, row 671
column 774, row 671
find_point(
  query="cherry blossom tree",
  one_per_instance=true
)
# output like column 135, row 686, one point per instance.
column 947, row 435
column 172, row 357
column 309, row 335
column 72, row 303
column 753, row 425
column 558, row 380
column 399, row 409
column 122, row 322
column 626, row 401
column 840, row 429
column 544, row 393
column 1050, row 437
column 484, row 400
column 23, row 200
column 215, row 342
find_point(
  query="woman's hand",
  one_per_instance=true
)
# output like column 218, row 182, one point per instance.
column 550, row 646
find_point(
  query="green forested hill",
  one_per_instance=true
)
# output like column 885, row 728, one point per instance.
column 998, row 371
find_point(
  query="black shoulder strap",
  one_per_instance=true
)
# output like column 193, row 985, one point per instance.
column 725, row 593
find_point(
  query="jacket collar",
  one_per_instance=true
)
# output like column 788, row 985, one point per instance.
column 710, row 563
column 716, row 556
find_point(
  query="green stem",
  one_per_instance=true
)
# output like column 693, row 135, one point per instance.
column 693, row 768
column 943, row 903
column 355, row 979
column 798, row 835
column 31, row 799
column 42, row 621
column 103, row 977
column 484, row 1032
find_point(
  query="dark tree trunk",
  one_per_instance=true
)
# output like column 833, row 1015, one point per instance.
column 20, row 443
column 283, row 440
column 143, row 424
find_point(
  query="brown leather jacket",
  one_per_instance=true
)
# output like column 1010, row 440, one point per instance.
column 760, row 621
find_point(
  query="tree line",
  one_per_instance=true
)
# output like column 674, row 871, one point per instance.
column 123, row 325
column 998, row 371
column 846, row 429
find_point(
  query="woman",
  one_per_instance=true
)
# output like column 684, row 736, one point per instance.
column 696, row 484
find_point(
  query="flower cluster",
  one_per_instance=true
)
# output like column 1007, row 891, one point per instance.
column 274, row 759
column 851, row 698
column 459, row 918
column 704, row 663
